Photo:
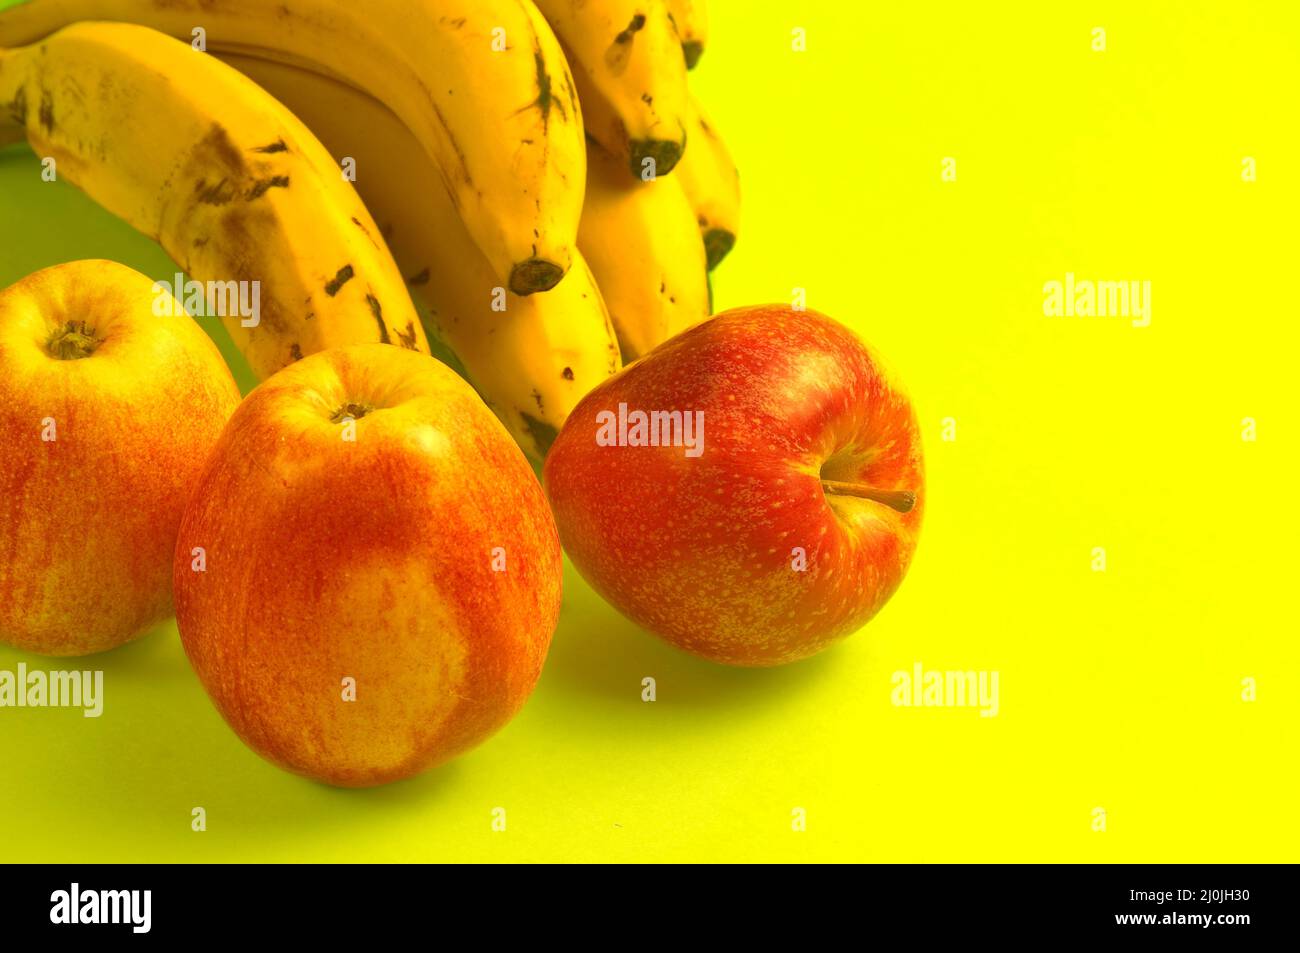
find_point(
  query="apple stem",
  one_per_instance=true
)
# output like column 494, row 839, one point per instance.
column 350, row 411
column 73, row 341
column 901, row 500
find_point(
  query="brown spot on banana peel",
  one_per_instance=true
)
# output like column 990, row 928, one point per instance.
column 545, row 100
column 222, row 193
column 386, row 231
column 421, row 279
column 239, row 232
column 218, row 147
column 277, row 146
column 620, row 51
column 572, row 90
column 295, row 351
column 378, row 312
column 407, row 338
column 18, row 106
column 262, row 186
column 341, row 278
column 567, row 373
column 46, row 114
column 633, row 27
column 217, row 152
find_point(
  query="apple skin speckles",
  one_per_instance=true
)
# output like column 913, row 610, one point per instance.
column 745, row 557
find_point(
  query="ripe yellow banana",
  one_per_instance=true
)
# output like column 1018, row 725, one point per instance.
column 644, row 248
column 712, row 185
column 631, row 78
column 482, row 84
column 531, row 362
column 231, row 185
column 692, row 23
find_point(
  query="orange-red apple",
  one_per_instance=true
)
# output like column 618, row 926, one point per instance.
column 107, row 412
column 367, row 576
column 751, row 490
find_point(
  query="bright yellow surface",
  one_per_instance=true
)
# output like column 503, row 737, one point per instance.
column 1119, row 690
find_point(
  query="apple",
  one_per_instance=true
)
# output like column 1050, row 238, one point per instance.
column 107, row 413
column 751, row 490
column 367, row 575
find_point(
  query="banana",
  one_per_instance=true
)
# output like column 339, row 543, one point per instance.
column 631, row 78
column 712, row 185
column 692, row 23
column 531, row 362
column 482, row 84
column 644, row 248
column 232, row 186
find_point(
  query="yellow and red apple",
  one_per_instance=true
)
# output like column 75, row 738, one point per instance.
column 751, row 490
column 107, row 412
column 367, row 576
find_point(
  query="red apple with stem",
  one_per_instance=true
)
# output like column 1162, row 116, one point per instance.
column 768, row 501
column 367, row 574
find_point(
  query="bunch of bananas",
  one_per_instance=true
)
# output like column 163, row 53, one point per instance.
column 526, row 188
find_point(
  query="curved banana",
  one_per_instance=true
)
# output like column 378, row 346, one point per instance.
column 631, row 78
column 482, row 84
column 692, row 23
column 712, row 185
column 644, row 248
column 231, row 185
column 533, row 360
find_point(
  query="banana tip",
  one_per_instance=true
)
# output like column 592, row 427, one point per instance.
column 663, row 153
column 717, row 243
column 533, row 275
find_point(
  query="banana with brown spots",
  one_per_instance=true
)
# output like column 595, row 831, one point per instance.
column 482, row 84
column 644, row 247
column 712, row 185
column 631, row 77
column 530, row 358
column 228, row 181
column 691, row 19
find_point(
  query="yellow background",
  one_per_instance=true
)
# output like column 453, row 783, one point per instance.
column 1119, row 690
